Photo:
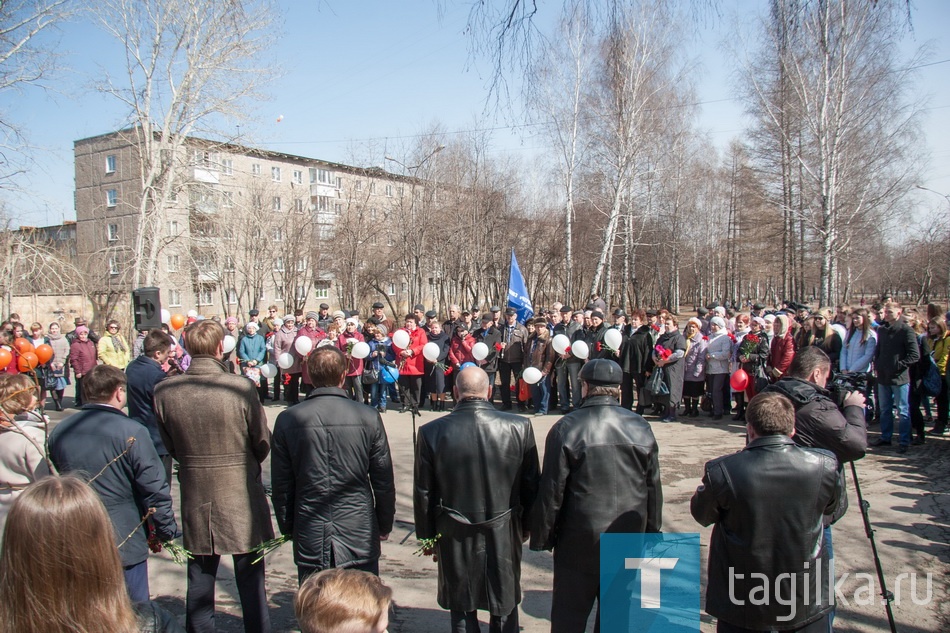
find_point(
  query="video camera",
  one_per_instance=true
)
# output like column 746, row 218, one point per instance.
column 844, row 383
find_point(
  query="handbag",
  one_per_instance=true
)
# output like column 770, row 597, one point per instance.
column 370, row 376
column 655, row 384
column 524, row 391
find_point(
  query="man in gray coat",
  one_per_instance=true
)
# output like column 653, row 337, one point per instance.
column 213, row 424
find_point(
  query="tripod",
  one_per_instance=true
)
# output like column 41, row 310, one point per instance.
column 887, row 595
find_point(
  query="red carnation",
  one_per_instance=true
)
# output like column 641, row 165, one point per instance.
column 567, row 350
column 497, row 347
column 597, row 346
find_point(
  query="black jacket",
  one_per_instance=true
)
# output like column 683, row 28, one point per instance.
column 143, row 374
column 332, row 478
column 820, row 424
column 601, row 474
column 763, row 529
column 637, row 356
column 476, row 479
column 896, row 351
column 490, row 337
column 86, row 442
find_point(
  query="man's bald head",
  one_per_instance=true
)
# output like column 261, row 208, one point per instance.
column 472, row 383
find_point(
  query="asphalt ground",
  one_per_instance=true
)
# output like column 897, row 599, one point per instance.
column 908, row 507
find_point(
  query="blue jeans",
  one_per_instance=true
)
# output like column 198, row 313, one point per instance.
column 888, row 396
column 540, row 393
column 378, row 391
column 136, row 581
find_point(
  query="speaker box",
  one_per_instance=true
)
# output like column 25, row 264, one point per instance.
column 147, row 308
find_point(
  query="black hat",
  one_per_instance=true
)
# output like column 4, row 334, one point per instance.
column 494, row 309
column 566, row 309
column 487, row 317
column 651, row 313
column 431, row 314
column 701, row 311
column 576, row 312
column 601, row 371
column 598, row 314
column 475, row 309
column 510, row 311
column 254, row 312
column 758, row 306
column 324, row 306
column 418, row 308
column 620, row 312
column 713, row 305
column 378, row 305
column 466, row 312
column 461, row 325
column 590, row 306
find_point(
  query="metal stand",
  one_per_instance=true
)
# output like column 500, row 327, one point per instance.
column 887, row 595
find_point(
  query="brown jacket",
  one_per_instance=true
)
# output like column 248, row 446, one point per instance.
column 213, row 424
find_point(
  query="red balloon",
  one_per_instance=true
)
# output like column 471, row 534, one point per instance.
column 5, row 358
column 28, row 362
column 739, row 380
column 22, row 345
column 44, row 353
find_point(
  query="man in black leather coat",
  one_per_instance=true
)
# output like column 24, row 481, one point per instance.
column 601, row 474
column 476, row 479
column 332, row 474
column 768, row 568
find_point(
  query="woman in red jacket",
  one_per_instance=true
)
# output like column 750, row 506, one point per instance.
column 411, row 364
column 460, row 347
column 783, row 348
column 82, row 358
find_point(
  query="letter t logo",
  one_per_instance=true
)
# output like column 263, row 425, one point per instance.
column 649, row 578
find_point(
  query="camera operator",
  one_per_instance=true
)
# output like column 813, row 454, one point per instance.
column 821, row 423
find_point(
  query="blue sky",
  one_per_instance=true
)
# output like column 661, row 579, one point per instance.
column 378, row 71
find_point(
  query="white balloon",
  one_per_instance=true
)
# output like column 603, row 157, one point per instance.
column 360, row 350
column 268, row 371
column 580, row 350
column 229, row 343
column 431, row 352
column 531, row 375
column 480, row 351
column 560, row 343
column 401, row 339
column 166, row 316
column 613, row 338
column 193, row 313
column 285, row 360
column 303, row 345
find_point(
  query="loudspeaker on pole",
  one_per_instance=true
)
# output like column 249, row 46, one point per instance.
column 147, row 308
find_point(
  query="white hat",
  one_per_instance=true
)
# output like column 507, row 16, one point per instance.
column 289, row 317
column 769, row 318
column 252, row 326
column 720, row 310
column 353, row 320
column 719, row 321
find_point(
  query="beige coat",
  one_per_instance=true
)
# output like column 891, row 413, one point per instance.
column 214, row 425
column 21, row 463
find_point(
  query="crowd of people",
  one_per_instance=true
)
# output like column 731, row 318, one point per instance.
column 479, row 489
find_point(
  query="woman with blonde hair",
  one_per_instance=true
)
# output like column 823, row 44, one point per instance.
column 113, row 349
column 60, row 570
column 22, row 440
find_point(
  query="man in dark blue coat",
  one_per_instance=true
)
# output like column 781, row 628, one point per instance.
column 103, row 443
column 143, row 374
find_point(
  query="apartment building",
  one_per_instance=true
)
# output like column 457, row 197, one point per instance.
column 237, row 227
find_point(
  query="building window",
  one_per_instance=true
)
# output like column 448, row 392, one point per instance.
column 172, row 228
column 232, row 296
column 112, row 232
column 275, row 174
column 257, row 200
column 110, row 164
column 279, row 293
column 372, row 187
column 298, row 206
column 204, row 295
column 392, row 288
column 113, row 266
column 302, row 265
column 171, row 263
column 372, row 214
column 323, row 203
column 313, row 175
column 339, row 182
column 228, row 264
column 227, row 198
column 256, row 169
column 338, row 208
column 112, row 197
column 389, row 191
column 300, row 293
column 325, row 177
column 279, row 264
column 322, row 290
column 227, row 167
column 276, row 203
column 391, row 266
column 358, row 186
column 174, row 298
column 298, row 177
column 279, row 234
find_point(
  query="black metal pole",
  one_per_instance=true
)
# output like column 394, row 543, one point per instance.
column 887, row 595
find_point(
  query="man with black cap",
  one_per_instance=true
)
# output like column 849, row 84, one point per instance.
column 431, row 316
column 567, row 368
column 601, row 474
column 495, row 315
column 379, row 317
column 758, row 310
column 323, row 317
column 514, row 341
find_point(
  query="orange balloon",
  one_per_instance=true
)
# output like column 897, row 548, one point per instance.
column 22, row 345
column 44, row 353
column 177, row 321
column 5, row 358
column 28, row 362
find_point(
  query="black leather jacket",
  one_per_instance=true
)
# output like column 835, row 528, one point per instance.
column 601, row 474
column 332, row 477
column 767, row 524
column 476, row 479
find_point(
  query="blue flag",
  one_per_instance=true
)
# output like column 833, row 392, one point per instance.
column 518, row 292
